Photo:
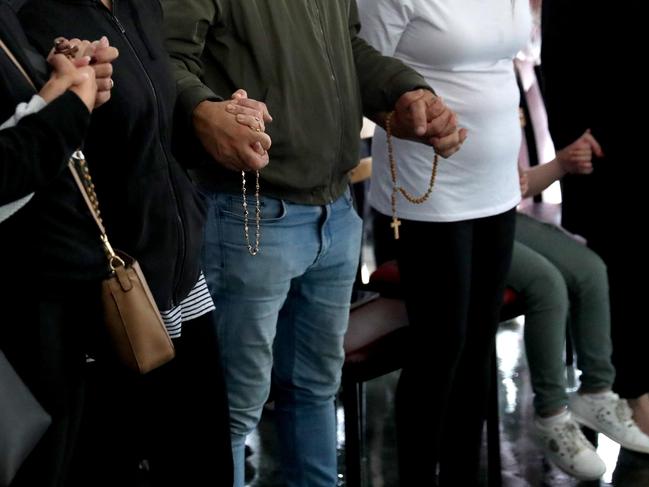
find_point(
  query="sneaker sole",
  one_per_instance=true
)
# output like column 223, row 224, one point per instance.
column 576, row 475
column 565, row 470
column 583, row 421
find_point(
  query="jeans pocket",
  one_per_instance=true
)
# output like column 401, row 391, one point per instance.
column 271, row 209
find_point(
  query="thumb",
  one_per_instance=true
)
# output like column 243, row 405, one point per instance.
column 592, row 142
column 61, row 64
column 79, row 77
column 239, row 94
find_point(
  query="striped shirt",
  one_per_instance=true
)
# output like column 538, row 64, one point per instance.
column 197, row 303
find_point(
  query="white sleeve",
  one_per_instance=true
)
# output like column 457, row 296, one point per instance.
column 383, row 22
column 23, row 109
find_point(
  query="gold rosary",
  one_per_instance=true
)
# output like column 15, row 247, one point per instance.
column 253, row 250
column 396, row 223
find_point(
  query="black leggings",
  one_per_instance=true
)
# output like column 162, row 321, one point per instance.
column 453, row 275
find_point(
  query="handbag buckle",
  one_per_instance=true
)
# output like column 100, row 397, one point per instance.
column 114, row 260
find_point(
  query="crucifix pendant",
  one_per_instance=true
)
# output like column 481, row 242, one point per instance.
column 396, row 223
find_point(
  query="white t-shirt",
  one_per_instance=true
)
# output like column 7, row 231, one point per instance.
column 464, row 49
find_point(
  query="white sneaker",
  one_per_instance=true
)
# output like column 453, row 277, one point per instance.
column 612, row 416
column 566, row 446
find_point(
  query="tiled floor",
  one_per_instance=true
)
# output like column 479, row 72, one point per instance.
column 523, row 462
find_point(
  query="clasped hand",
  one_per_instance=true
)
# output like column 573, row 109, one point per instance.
column 422, row 116
column 233, row 131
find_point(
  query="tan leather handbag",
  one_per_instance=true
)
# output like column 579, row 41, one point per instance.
column 130, row 312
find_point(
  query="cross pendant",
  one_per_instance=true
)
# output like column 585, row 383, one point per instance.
column 396, row 223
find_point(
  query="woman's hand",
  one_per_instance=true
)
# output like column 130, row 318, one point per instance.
column 101, row 55
column 66, row 75
column 422, row 116
column 251, row 113
column 577, row 157
column 523, row 181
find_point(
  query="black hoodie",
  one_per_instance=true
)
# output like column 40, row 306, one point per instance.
column 150, row 207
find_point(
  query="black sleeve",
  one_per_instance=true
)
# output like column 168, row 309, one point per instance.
column 35, row 151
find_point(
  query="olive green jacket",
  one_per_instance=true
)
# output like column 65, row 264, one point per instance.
column 304, row 59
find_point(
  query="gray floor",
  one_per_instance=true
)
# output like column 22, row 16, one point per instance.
column 523, row 462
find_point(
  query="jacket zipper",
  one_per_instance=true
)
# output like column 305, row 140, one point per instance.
column 338, row 98
column 181, row 251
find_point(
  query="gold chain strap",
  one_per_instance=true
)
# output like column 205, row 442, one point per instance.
column 415, row 200
column 89, row 186
column 81, row 174
column 253, row 250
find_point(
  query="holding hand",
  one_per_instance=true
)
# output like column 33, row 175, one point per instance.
column 577, row 157
column 233, row 132
column 420, row 115
column 101, row 55
column 67, row 76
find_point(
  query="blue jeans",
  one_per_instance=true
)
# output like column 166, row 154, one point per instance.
column 284, row 313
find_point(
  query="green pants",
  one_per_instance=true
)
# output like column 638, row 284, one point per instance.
column 561, row 281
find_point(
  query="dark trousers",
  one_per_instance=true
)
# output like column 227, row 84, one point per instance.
column 608, row 209
column 453, row 276
column 106, row 419
column 175, row 418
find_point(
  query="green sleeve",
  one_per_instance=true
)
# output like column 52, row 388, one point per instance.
column 382, row 79
column 186, row 24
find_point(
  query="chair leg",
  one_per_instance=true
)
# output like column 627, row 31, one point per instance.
column 494, row 461
column 353, row 405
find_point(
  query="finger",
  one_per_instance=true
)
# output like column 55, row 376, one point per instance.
column 403, row 103
column 88, row 49
column 585, row 169
column 103, row 70
column 239, row 94
column 61, row 64
column 586, row 152
column 451, row 125
column 585, row 165
column 442, row 126
column 79, row 77
column 102, row 97
column 84, row 48
column 419, row 116
column 103, row 42
column 255, row 123
column 253, row 160
column 446, row 146
column 579, row 160
column 82, row 61
column 594, row 145
column 263, row 139
column 436, row 107
column 237, row 109
column 105, row 55
column 256, row 105
column 105, row 84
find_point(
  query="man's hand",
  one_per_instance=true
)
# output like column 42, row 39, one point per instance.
column 238, row 146
column 421, row 116
column 67, row 76
column 577, row 157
